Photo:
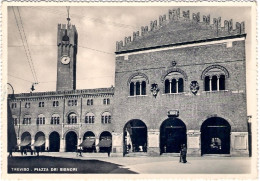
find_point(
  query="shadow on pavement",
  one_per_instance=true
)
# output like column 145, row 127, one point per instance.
column 46, row 164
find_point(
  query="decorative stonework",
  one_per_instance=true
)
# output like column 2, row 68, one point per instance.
column 183, row 18
column 194, row 87
column 204, row 73
column 174, row 69
column 137, row 74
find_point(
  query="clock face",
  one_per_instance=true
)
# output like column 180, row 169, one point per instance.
column 65, row 59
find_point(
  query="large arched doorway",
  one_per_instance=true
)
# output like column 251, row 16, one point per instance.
column 105, row 142
column 54, row 140
column 215, row 136
column 71, row 141
column 25, row 141
column 88, row 144
column 39, row 141
column 135, row 136
column 172, row 135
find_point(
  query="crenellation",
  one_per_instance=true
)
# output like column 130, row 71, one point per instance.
column 135, row 35
column 127, row 40
column 153, row 25
column 162, row 20
column 186, row 14
column 206, row 19
column 228, row 25
column 144, row 30
column 217, row 22
column 242, row 27
column 63, row 26
column 174, row 14
column 196, row 17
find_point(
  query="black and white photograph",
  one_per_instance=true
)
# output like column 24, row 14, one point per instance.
column 132, row 89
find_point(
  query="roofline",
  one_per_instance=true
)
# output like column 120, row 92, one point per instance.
column 179, row 44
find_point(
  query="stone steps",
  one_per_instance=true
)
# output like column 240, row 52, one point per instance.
column 136, row 154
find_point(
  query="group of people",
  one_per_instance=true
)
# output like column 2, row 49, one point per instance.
column 25, row 151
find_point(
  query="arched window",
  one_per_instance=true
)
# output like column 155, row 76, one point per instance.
column 137, row 85
column 40, row 119
column 215, row 78
column 143, row 88
column 174, row 83
column 27, row 120
column 72, row 118
column 55, row 119
column 206, row 83
column 222, row 82
column 137, row 88
column 167, row 86
column 89, row 118
column 180, row 85
column 106, row 118
column 214, row 83
column 132, row 89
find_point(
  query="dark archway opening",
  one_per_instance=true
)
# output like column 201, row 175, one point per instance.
column 172, row 135
column 54, row 142
column 25, row 141
column 89, row 141
column 39, row 141
column 135, row 136
column 71, row 142
column 215, row 136
column 105, row 142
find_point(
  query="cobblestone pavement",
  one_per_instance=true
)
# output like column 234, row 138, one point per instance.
column 170, row 165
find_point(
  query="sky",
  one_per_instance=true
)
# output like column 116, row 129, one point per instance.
column 98, row 30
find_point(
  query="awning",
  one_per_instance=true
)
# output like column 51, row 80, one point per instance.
column 26, row 141
column 40, row 141
column 87, row 143
column 105, row 143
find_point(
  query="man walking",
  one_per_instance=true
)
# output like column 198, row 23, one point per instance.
column 183, row 153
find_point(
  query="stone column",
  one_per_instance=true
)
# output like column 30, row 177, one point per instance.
column 47, row 144
column 96, row 144
column 153, row 142
column 32, row 142
column 62, row 145
column 218, row 83
column 193, row 143
column 79, row 142
column 210, row 84
column 170, row 84
column 177, row 86
column 18, row 143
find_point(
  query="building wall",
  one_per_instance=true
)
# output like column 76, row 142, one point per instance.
column 193, row 109
column 63, row 110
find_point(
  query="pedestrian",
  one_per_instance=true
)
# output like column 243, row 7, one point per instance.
column 108, row 151
column 21, row 151
column 31, row 152
column 37, row 151
column 181, row 154
column 11, row 153
column 184, row 153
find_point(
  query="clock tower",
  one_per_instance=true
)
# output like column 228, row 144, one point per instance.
column 67, row 42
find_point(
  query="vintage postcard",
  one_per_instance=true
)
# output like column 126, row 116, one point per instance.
column 129, row 90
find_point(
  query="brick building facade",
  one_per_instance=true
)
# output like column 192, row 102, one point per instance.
column 180, row 81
